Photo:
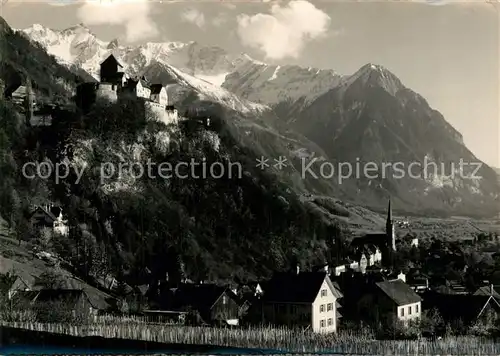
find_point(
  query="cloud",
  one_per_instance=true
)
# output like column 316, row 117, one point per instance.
column 220, row 20
column 193, row 16
column 285, row 30
column 134, row 15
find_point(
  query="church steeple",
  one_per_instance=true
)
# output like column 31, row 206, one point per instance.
column 389, row 228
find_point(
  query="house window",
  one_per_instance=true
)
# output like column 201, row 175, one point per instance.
column 416, row 308
column 322, row 323
column 321, row 308
column 294, row 310
column 330, row 322
column 329, row 307
column 409, row 310
column 224, row 299
column 402, row 312
column 323, row 292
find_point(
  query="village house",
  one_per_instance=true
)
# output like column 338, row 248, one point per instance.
column 214, row 304
column 303, row 299
column 410, row 240
column 417, row 281
column 10, row 284
column 67, row 302
column 391, row 301
column 249, row 291
column 50, row 217
column 462, row 310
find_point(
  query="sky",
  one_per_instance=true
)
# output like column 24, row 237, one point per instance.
column 447, row 52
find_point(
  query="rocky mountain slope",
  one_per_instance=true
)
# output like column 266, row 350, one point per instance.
column 372, row 117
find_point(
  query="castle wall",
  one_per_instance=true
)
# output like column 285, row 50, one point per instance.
column 107, row 91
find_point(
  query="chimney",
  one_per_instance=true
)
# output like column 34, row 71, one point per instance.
column 298, row 268
column 491, row 289
column 326, row 268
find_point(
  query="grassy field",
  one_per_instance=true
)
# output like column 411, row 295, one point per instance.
column 274, row 339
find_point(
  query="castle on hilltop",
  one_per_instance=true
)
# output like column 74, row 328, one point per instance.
column 114, row 83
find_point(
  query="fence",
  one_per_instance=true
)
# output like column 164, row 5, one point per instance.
column 273, row 338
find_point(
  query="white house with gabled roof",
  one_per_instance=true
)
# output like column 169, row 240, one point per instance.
column 307, row 299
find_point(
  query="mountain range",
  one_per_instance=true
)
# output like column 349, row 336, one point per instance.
column 309, row 114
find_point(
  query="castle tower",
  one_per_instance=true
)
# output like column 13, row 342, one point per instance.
column 389, row 229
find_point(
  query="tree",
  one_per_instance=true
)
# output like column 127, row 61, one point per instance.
column 432, row 322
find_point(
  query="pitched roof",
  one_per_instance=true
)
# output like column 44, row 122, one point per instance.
column 487, row 292
column 144, row 83
column 398, row 291
column 132, row 82
column 19, row 282
column 97, row 298
column 156, row 88
column 466, row 307
column 68, row 296
column 113, row 56
column 47, row 213
column 197, row 296
column 297, row 288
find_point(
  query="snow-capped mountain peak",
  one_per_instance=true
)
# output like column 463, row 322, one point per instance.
column 78, row 45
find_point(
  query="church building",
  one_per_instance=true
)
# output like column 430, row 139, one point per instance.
column 386, row 242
